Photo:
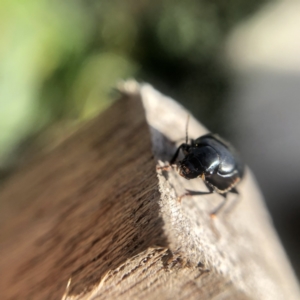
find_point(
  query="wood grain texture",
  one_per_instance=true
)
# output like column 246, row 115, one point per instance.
column 96, row 214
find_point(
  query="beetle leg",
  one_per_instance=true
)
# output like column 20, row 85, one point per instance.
column 213, row 214
column 210, row 188
column 196, row 193
column 177, row 153
column 192, row 193
column 234, row 191
column 234, row 202
column 184, row 147
column 218, row 208
column 166, row 167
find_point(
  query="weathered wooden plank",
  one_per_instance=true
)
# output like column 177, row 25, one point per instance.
column 96, row 214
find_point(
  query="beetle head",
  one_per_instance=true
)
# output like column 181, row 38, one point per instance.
column 199, row 162
column 188, row 169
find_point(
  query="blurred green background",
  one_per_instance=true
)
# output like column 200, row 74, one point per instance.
column 60, row 59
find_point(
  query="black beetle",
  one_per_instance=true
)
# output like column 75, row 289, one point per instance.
column 215, row 161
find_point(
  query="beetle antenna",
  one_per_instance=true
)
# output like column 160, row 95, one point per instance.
column 186, row 129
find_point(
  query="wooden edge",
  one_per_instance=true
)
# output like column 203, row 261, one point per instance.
column 94, row 220
column 235, row 256
column 241, row 243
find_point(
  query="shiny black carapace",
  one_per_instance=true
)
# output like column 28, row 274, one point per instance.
column 212, row 159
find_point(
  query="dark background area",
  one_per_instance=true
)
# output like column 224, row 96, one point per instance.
column 59, row 61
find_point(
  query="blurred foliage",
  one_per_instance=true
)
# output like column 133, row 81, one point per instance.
column 59, row 59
